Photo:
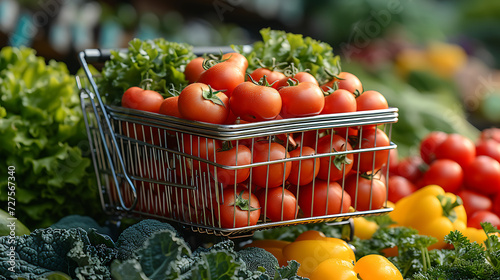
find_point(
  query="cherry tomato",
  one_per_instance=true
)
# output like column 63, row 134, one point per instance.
column 370, row 137
column 339, row 101
column 490, row 133
column 483, row 216
column 302, row 100
column 255, row 103
column 305, row 170
column 142, row 99
column 273, row 174
column 236, row 156
column 334, row 167
column 194, row 69
column 237, row 209
column 458, row 148
column 371, row 100
column 429, row 144
column 399, row 187
column 366, row 194
column 298, row 78
column 199, row 102
column 347, row 81
column 170, row 107
column 272, row 77
column 474, row 201
column 411, row 168
column 445, row 173
column 225, row 75
column 483, row 175
column 200, row 147
column 320, row 198
column 488, row 147
column 236, row 58
column 278, row 204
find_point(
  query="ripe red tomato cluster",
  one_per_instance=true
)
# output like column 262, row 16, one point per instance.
column 290, row 175
column 457, row 164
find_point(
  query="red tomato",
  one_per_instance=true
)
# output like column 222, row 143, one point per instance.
column 366, row 194
column 236, row 58
column 198, row 102
column 305, row 170
column 272, row 77
column 458, row 148
column 225, row 75
column 483, row 216
column 323, row 198
column 200, row 147
column 410, row 168
column 302, row 100
column 347, row 81
column 369, row 138
column 194, row 69
column 393, row 161
column 496, row 204
column 278, row 204
column 307, row 138
column 305, row 77
column 170, row 107
column 474, row 201
column 141, row 99
column 334, row 167
column 429, row 144
column 237, row 209
column 276, row 173
column 488, row 147
column 371, row 100
column 236, row 156
column 483, row 175
column 339, row 101
column 490, row 133
column 255, row 103
column 399, row 187
column 445, row 173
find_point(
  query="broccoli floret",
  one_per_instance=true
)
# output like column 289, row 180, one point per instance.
column 256, row 258
column 133, row 237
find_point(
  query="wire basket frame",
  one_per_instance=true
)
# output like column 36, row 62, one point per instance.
column 157, row 166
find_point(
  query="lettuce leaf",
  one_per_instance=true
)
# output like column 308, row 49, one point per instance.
column 159, row 60
column 43, row 136
column 305, row 53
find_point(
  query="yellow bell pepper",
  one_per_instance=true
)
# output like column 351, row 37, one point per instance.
column 474, row 234
column 363, row 228
column 376, row 267
column 432, row 212
column 310, row 253
column 370, row 267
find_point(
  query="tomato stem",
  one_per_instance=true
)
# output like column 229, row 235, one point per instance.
column 211, row 95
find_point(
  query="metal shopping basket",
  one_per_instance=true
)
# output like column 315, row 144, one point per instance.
column 146, row 167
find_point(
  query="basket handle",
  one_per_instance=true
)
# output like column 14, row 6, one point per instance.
column 82, row 58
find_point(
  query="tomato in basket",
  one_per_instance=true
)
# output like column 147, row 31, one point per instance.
column 345, row 80
column 278, row 204
column 367, row 193
column 304, row 170
column 272, row 77
column 301, row 100
column 238, row 208
column 370, row 137
column 270, row 175
column 371, row 100
column 226, row 73
column 200, row 102
column 254, row 102
column 334, row 167
column 232, row 156
column 339, row 101
column 321, row 197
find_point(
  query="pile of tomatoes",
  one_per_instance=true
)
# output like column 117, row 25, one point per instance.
column 221, row 91
column 457, row 164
